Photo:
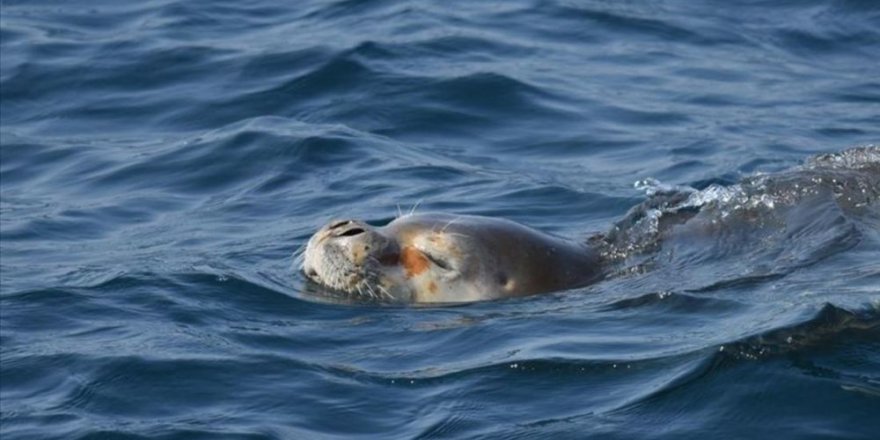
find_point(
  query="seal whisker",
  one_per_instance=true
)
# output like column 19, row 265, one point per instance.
column 458, row 234
column 300, row 251
column 359, row 289
column 374, row 259
column 373, row 293
column 384, row 291
column 364, row 287
column 416, row 206
column 457, row 218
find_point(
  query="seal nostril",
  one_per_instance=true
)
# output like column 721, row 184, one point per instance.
column 335, row 225
column 351, row 232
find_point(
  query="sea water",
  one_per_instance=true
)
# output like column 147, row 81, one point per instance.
column 162, row 161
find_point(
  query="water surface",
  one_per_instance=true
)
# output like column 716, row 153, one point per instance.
column 162, row 161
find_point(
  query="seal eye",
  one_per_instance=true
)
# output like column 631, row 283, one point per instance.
column 439, row 262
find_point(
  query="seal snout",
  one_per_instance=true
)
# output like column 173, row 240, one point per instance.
column 345, row 253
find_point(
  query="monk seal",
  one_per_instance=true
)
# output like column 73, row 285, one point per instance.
column 443, row 258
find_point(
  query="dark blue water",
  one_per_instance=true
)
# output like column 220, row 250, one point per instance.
column 162, row 161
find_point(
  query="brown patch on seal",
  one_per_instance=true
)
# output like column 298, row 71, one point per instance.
column 413, row 261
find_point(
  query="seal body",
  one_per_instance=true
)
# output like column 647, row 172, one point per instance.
column 436, row 258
